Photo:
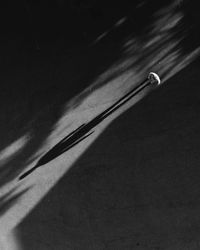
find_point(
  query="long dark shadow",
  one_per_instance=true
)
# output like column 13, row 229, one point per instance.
column 81, row 132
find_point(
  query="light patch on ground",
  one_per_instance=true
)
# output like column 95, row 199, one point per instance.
column 14, row 148
column 105, row 33
column 120, row 22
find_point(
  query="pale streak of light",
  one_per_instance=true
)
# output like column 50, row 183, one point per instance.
column 157, row 38
column 172, row 24
column 120, row 22
column 101, row 36
column 183, row 62
column 105, row 33
column 165, row 25
column 13, row 149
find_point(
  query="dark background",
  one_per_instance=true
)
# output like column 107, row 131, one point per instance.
column 49, row 21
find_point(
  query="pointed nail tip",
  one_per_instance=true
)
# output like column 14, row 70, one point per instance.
column 28, row 172
column 21, row 177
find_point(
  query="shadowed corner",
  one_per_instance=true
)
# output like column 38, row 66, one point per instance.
column 9, row 199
